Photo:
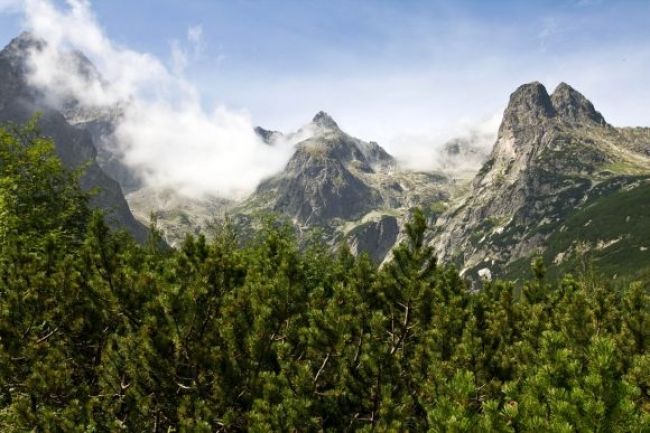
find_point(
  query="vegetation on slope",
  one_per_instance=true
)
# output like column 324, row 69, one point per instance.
column 610, row 232
column 100, row 334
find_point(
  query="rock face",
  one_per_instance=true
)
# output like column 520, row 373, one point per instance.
column 350, row 188
column 101, row 125
column 572, row 107
column 266, row 135
column 553, row 153
column 19, row 101
column 376, row 238
column 322, row 180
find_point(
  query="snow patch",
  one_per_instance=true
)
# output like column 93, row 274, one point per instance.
column 485, row 274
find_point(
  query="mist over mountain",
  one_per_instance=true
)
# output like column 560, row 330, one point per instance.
column 148, row 116
column 352, row 190
column 492, row 210
column 20, row 101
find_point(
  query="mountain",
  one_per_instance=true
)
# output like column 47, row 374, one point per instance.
column 19, row 101
column 177, row 215
column 555, row 182
column 555, row 160
column 267, row 136
column 555, row 155
column 325, row 177
column 348, row 188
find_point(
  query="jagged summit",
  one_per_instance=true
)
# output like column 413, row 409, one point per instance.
column 324, row 120
column 531, row 115
column 16, row 52
column 267, row 135
column 24, row 41
column 553, row 154
column 573, row 107
column 530, row 103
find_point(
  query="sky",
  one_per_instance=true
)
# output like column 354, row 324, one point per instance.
column 404, row 73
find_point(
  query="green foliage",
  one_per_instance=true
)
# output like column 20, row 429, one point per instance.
column 100, row 334
column 37, row 195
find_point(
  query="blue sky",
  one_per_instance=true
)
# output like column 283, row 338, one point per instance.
column 389, row 69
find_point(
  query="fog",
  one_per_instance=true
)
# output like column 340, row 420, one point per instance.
column 163, row 128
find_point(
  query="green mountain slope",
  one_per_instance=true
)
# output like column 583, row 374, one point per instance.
column 610, row 233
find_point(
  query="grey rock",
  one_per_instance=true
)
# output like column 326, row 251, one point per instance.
column 319, row 182
column 324, row 120
column 349, row 188
column 573, row 107
column 266, row 135
column 376, row 238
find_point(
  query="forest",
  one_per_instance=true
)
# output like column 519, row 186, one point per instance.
column 101, row 334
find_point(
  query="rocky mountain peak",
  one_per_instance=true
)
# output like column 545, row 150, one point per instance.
column 23, row 42
column 268, row 136
column 17, row 56
column 573, row 107
column 529, row 104
column 324, row 120
column 552, row 155
column 16, row 53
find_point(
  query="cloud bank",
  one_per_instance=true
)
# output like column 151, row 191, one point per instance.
column 422, row 152
column 164, row 131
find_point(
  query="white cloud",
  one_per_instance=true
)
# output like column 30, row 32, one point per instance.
column 184, row 53
column 425, row 151
column 165, row 132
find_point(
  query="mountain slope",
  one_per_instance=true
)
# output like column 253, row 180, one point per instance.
column 609, row 232
column 324, row 178
column 19, row 101
column 553, row 154
column 349, row 188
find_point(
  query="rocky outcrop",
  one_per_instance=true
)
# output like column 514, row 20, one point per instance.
column 376, row 238
column 102, row 124
column 572, row 107
column 266, row 135
column 550, row 154
column 321, row 181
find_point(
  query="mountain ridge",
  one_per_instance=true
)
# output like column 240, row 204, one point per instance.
column 550, row 154
column 553, row 155
column 352, row 189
